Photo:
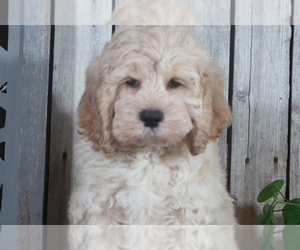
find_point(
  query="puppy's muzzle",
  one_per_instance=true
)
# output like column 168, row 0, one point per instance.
column 151, row 118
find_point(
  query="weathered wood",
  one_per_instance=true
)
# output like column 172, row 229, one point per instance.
column 23, row 170
column 8, row 237
column 30, row 237
column 35, row 12
column 295, row 121
column 75, row 47
column 296, row 16
column 266, row 12
column 260, row 117
column 32, row 123
column 216, row 40
column 14, row 10
column 78, row 12
column 213, row 12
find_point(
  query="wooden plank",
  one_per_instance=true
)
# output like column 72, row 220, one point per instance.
column 295, row 120
column 14, row 10
column 75, row 47
column 30, row 237
column 35, row 12
column 23, row 169
column 58, row 237
column 32, row 123
column 267, row 12
column 216, row 40
column 296, row 16
column 77, row 12
column 213, row 12
column 260, row 114
column 8, row 237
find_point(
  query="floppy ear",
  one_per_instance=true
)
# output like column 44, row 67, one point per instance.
column 95, row 110
column 214, row 114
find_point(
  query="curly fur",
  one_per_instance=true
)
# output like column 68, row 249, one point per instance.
column 127, row 173
column 139, row 237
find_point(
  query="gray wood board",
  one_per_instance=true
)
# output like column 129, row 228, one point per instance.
column 296, row 17
column 35, row 12
column 78, row 12
column 295, row 120
column 75, row 47
column 260, row 114
column 266, row 12
column 213, row 12
column 14, row 10
column 32, row 123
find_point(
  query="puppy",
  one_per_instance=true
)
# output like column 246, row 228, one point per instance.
column 149, row 120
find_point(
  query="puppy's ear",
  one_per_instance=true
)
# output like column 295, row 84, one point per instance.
column 95, row 110
column 214, row 113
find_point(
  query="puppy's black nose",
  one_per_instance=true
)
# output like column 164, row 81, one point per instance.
column 151, row 118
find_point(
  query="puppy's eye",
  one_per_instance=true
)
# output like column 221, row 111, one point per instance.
column 173, row 84
column 133, row 83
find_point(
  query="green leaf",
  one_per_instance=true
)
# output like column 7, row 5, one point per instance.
column 266, row 208
column 293, row 220
column 266, row 219
column 291, row 236
column 268, row 241
column 270, row 190
column 273, row 220
column 291, row 214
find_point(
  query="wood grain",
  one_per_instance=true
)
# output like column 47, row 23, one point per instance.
column 296, row 17
column 78, row 12
column 266, row 12
column 213, row 12
column 295, row 119
column 75, row 48
column 32, row 116
column 23, row 171
column 34, row 12
column 260, row 117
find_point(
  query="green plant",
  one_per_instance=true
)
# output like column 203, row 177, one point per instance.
column 290, row 211
column 289, row 234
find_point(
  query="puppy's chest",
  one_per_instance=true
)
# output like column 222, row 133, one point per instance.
column 154, row 192
column 156, row 178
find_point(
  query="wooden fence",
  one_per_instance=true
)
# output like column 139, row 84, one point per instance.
column 45, row 78
column 210, row 12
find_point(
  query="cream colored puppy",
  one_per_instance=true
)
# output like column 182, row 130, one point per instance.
column 149, row 118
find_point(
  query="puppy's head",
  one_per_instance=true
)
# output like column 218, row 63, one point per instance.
column 153, row 86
